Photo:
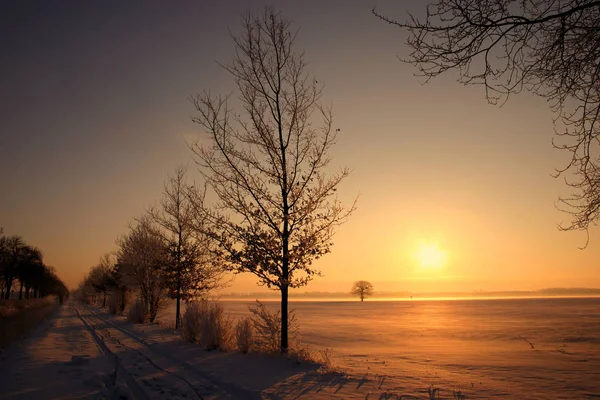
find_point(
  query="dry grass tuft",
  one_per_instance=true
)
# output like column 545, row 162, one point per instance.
column 204, row 322
column 244, row 334
column 267, row 329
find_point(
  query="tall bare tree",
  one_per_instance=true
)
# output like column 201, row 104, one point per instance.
column 276, row 208
column 190, row 271
column 551, row 48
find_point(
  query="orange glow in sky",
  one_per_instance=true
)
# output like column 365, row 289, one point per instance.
column 455, row 194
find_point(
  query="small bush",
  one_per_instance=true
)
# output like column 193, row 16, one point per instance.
column 137, row 313
column 244, row 334
column 190, row 322
column 205, row 323
column 301, row 354
column 267, row 328
column 325, row 358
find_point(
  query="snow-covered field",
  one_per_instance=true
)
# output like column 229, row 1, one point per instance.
column 511, row 349
column 504, row 348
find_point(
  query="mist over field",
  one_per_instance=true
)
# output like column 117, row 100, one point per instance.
column 526, row 348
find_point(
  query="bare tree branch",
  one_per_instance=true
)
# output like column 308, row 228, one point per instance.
column 551, row 48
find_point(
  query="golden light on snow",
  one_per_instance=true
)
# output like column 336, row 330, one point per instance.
column 431, row 256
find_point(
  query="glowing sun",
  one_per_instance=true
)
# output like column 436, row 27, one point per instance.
column 430, row 256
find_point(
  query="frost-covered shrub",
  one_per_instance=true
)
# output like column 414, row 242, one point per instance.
column 190, row 322
column 267, row 328
column 137, row 313
column 244, row 334
column 205, row 323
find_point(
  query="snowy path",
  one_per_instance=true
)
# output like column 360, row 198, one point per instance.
column 80, row 355
column 150, row 371
column 59, row 360
column 84, row 353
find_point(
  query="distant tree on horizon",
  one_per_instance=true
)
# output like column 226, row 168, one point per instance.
column 549, row 48
column 362, row 289
column 277, row 207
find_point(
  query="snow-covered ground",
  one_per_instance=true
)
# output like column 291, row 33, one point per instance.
column 512, row 349
column 504, row 348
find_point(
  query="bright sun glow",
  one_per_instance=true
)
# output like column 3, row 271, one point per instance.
column 431, row 256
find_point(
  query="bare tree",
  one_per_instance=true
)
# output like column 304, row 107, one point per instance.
column 4, row 261
column 190, row 271
column 551, row 48
column 20, row 261
column 276, row 207
column 142, row 256
column 101, row 277
column 29, row 266
column 362, row 289
column 12, row 249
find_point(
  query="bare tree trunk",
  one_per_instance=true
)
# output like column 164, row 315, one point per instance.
column 21, row 292
column 177, row 311
column 284, row 319
column 285, row 284
column 178, row 277
column 9, row 282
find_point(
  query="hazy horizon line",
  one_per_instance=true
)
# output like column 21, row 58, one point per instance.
column 553, row 291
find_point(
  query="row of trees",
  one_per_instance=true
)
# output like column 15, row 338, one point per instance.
column 267, row 166
column 23, row 264
column 267, row 163
column 165, row 254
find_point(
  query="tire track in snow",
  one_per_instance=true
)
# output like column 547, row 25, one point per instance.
column 119, row 371
column 215, row 383
column 138, row 391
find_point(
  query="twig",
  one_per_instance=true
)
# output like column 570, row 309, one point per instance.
column 531, row 344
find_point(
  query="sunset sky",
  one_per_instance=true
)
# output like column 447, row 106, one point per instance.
column 455, row 194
